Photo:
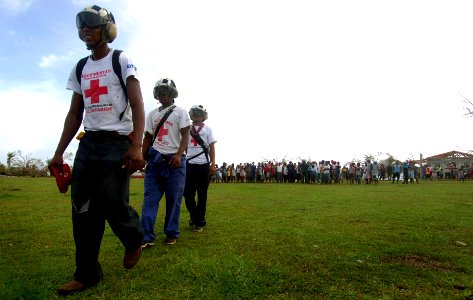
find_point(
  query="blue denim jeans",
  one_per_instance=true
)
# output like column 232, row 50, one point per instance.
column 161, row 179
column 99, row 192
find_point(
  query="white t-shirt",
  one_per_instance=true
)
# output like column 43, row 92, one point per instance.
column 194, row 148
column 169, row 136
column 103, row 95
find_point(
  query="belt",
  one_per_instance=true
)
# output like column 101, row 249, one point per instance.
column 102, row 134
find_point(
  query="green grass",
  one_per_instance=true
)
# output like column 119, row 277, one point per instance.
column 266, row 241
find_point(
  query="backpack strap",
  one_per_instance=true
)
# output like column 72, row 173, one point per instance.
column 79, row 67
column 117, row 69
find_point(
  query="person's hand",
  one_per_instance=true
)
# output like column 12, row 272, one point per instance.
column 133, row 160
column 175, row 161
column 57, row 161
column 213, row 170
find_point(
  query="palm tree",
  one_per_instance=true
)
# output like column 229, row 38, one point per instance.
column 10, row 156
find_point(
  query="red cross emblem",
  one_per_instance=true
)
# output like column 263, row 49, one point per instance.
column 162, row 132
column 95, row 91
column 194, row 142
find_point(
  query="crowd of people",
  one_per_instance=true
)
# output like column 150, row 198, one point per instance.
column 330, row 171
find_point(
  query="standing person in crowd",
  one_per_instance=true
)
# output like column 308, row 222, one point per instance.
column 317, row 172
column 440, row 172
column 164, row 145
column 224, row 172
column 200, row 166
column 405, row 172
column 428, row 172
column 382, row 171
column 242, row 173
column 461, row 174
column 375, row 172
column 389, row 171
column 351, row 173
column 369, row 171
column 396, row 172
column 326, row 173
column 106, row 155
column 358, row 172
column 279, row 173
column 238, row 172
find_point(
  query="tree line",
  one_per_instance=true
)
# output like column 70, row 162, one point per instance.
column 21, row 164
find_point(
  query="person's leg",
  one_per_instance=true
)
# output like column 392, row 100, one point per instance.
column 123, row 219
column 202, row 187
column 88, row 224
column 153, row 192
column 190, row 190
column 174, row 191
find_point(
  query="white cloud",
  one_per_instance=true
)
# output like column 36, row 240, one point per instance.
column 15, row 6
column 32, row 118
column 53, row 60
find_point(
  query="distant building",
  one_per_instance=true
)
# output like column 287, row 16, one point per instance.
column 452, row 159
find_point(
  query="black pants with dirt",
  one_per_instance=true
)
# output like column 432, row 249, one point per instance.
column 197, row 181
column 100, row 192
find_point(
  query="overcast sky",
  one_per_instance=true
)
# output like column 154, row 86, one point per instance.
column 295, row 79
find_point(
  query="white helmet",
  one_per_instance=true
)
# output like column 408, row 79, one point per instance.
column 198, row 111
column 165, row 86
column 94, row 16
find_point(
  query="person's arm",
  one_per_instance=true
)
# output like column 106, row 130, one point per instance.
column 71, row 126
column 212, row 158
column 175, row 161
column 147, row 143
column 133, row 159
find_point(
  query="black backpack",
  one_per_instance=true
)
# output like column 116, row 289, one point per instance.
column 116, row 69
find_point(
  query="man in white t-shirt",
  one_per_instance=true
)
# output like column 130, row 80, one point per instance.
column 107, row 154
column 164, row 150
column 200, row 166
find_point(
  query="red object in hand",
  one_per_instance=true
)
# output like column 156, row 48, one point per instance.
column 63, row 176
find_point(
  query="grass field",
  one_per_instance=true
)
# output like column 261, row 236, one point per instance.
column 263, row 241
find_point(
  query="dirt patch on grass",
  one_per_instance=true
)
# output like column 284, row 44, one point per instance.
column 421, row 262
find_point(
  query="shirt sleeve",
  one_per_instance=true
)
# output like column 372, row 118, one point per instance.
column 210, row 136
column 128, row 68
column 184, row 119
column 72, row 83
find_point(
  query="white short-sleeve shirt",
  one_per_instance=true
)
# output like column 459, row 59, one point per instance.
column 169, row 136
column 194, row 148
column 104, row 99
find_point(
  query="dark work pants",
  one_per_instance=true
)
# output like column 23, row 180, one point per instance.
column 197, row 181
column 100, row 191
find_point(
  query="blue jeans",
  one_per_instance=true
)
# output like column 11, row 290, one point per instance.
column 161, row 179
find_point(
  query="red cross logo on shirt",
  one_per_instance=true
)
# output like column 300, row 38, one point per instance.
column 95, row 91
column 162, row 132
column 194, row 142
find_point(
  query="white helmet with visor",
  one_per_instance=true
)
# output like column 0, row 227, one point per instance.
column 165, row 86
column 96, row 16
column 198, row 111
